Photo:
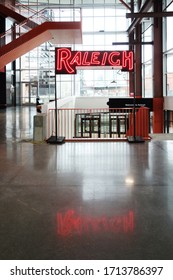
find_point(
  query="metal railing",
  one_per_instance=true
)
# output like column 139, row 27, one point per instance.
column 103, row 123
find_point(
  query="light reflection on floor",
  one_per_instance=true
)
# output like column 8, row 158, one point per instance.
column 83, row 200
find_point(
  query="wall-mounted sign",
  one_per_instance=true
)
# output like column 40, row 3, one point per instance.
column 129, row 103
column 67, row 61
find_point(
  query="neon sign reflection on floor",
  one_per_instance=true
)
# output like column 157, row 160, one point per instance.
column 73, row 223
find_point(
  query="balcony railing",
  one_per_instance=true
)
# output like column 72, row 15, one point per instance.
column 103, row 123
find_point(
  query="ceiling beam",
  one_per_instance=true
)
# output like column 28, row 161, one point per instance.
column 131, row 43
column 139, row 3
column 146, row 6
column 125, row 4
column 150, row 14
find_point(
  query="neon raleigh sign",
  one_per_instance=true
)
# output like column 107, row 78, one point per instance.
column 66, row 60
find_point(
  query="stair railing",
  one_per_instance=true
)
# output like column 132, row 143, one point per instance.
column 37, row 18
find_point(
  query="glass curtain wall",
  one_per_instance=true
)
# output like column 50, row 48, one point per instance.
column 147, row 54
column 147, row 57
column 168, row 50
column 103, row 22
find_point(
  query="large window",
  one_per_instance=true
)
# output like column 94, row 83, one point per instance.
column 168, row 51
column 147, row 59
column 103, row 22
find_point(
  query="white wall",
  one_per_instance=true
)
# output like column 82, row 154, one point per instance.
column 84, row 102
column 91, row 102
column 67, row 102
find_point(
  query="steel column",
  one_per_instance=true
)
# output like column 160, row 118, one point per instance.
column 158, row 120
column 138, row 59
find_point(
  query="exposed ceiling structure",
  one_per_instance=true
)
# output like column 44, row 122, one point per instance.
column 140, row 9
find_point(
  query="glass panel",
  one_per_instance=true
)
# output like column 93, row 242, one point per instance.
column 63, row 2
column 99, row 24
column 66, row 89
column 109, row 39
column 98, row 1
column 87, row 24
column 147, row 52
column 121, row 24
column 87, row 12
column 25, row 75
column 99, row 12
column 109, row 1
column 87, row 1
column 77, row 2
column 25, row 93
column 18, row 93
column 88, row 40
column 110, row 24
column 169, row 75
column 121, row 12
column 99, row 40
column 169, row 33
column 110, row 12
column 148, row 80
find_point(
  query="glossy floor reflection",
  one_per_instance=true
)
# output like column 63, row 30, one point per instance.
column 109, row 200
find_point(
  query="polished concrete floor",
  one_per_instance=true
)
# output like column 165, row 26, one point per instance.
column 111, row 200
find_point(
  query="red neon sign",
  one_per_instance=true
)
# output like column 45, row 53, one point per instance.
column 73, row 223
column 66, row 60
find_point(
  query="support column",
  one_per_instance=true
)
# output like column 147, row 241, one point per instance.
column 158, row 116
column 2, row 71
column 131, row 47
column 138, row 70
column 131, row 74
column 13, row 76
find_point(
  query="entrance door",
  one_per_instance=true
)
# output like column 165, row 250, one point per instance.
column 29, row 93
column 90, row 126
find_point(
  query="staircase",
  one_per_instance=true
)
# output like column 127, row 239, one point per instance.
column 33, row 33
column 9, row 12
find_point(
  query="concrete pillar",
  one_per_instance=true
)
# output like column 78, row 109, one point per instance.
column 40, row 127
